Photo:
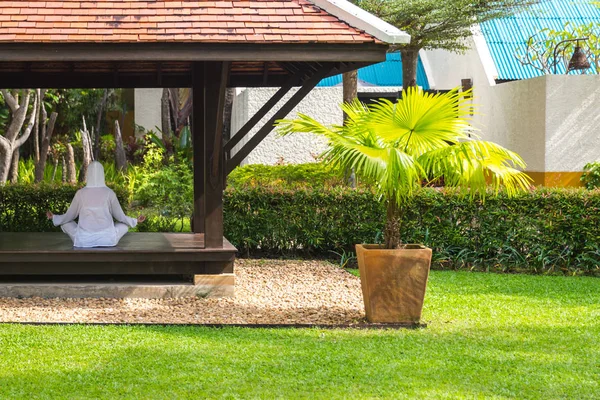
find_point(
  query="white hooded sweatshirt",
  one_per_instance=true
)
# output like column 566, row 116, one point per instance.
column 96, row 205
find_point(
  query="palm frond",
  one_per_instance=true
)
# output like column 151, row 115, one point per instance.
column 473, row 164
column 421, row 136
column 420, row 122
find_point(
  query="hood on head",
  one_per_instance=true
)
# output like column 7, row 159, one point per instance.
column 95, row 175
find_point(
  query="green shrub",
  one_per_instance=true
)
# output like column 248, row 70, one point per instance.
column 23, row 207
column 281, row 221
column 543, row 231
column 591, row 175
column 167, row 187
column 313, row 175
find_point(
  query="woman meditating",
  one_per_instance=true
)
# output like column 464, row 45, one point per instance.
column 96, row 205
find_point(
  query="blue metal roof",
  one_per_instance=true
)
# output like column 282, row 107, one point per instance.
column 387, row 73
column 504, row 36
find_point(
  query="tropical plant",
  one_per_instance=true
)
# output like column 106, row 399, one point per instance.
column 420, row 138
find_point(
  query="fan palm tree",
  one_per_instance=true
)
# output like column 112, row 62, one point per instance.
column 421, row 138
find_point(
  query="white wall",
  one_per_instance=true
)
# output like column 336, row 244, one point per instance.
column 323, row 104
column 147, row 108
column 572, row 121
column 552, row 121
column 515, row 117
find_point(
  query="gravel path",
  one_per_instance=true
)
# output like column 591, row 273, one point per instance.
column 266, row 292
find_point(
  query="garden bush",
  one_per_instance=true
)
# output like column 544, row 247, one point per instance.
column 23, row 207
column 312, row 175
column 542, row 231
column 591, row 175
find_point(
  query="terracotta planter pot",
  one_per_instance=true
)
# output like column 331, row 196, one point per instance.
column 393, row 282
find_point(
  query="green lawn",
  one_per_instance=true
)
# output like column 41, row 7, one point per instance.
column 489, row 336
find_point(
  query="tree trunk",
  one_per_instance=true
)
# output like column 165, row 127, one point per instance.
column 36, row 129
column 55, row 162
column 47, row 131
column 350, row 92
column 391, row 232
column 14, row 170
column 350, row 84
column 120, row 159
column 165, row 114
column 98, row 123
column 71, row 172
column 227, row 112
column 409, row 67
column 6, row 151
column 87, row 156
column 64, row 169
column 11, row 141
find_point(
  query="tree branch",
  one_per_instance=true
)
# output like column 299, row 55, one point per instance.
column 23, row 138
column 10, row 101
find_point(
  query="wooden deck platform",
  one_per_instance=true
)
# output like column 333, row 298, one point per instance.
column 51, row 254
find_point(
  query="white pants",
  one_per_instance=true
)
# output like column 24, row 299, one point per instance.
column 70, row 228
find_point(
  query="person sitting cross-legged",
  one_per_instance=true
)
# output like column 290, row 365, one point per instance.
column 96, row 205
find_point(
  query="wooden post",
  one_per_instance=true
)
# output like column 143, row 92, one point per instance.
column 198, row 142
column 216, row 75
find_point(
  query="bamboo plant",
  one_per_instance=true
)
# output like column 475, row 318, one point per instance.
column 420, row 138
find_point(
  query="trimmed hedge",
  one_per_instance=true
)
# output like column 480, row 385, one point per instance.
column 542, row 231
column 276, row 222
column 23, row 207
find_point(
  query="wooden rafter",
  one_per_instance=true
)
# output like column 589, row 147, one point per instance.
column 239, row 135
column 286, row 108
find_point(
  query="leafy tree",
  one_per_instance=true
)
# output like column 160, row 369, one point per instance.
column 421, row 138
column 539, row 50
column 437, row 24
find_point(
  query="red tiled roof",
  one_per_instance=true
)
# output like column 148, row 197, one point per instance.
column 262, row 21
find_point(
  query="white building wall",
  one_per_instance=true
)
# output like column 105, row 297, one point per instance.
column 552, row 121
column 147, row 109
column 516, row 119
column 572, row 121
column 322, row 103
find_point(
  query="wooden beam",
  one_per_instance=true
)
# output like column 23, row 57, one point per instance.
column 322, row 52
column 285, row 109
column 198, row 142
column 216, row 74
column 240, row 134
column 76, row 80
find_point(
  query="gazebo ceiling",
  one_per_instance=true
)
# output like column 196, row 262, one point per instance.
column 154, row 74
column 137, row 43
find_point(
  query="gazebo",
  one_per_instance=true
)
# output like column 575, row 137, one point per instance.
column 205, row 45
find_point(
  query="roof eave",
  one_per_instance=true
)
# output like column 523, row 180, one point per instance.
column 363, row 20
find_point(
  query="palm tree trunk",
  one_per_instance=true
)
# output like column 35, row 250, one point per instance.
column 391, row 231
column 350, row 92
